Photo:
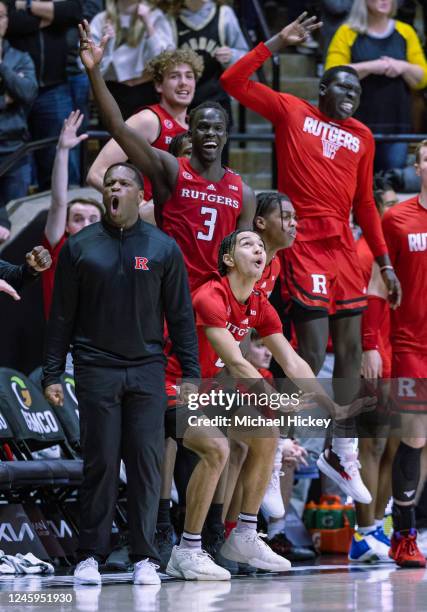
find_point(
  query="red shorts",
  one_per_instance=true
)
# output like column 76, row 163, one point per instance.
column 409, row 372
column 324, row 275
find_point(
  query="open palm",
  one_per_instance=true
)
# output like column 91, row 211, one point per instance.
column 90, row 53
column 68, row 137
column 296, row 32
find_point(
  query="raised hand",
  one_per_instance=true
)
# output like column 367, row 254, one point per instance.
column 90, row 53
column 39, row 259
column 68, row 138
column 296, row 32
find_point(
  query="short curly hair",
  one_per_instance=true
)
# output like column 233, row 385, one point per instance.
column 159, row 65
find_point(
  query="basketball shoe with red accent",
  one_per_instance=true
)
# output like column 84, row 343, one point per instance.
column 344, row 471
column 404, row 550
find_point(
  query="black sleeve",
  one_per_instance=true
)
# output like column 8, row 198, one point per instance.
column 92, row 8
column 67, row 12
column 21, row 23
column 17, row 276
column 62, row 317
column 179, row 314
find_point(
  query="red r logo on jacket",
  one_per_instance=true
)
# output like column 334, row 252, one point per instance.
column 141, row 263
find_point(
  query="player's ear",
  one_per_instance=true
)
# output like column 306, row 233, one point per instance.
column 259, row 222
column 228, row 260
column 140, row 196
column 417, row 168
column 322, row 89
column 158, row 87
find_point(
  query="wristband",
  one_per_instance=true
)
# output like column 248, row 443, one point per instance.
column 388, row 267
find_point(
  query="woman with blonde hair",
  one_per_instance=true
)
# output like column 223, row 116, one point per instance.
column 388, row 56
column 138, row 32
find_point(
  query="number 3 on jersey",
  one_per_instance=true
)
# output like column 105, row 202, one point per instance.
column 209, row 222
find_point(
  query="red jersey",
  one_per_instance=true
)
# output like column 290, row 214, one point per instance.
column 325, row 166
column 382, row 339
column 169, row 128
column 198, row 216
column 48, row 277
column 215, row 306
column 405, row 229
column 269, row 276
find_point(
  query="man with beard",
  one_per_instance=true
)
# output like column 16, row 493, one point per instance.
column 116, row 283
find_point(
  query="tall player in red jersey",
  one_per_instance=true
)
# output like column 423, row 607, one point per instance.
column 197, row 201
column 325, row 165
column 175, row 74
column 405, row 229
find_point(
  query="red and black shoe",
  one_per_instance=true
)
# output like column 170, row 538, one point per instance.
column 404, row 550
column 344, row 471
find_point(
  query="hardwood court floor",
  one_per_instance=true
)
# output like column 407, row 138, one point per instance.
column 329, row 585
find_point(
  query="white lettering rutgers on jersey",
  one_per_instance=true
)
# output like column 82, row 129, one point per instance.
column 213, row 198
column 417, row 242
column 332, row 137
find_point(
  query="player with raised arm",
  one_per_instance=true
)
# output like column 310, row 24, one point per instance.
column 197, row 201
column 325, row 165
column 175, row 74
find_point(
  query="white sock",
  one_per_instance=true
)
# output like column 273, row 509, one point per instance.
column 366, row 530
column 342, row 446
column 378, row 523
column 191, row 540
column 246, row 521
column 275, row 527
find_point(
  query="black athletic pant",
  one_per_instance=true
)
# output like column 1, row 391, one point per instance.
column 121, row 416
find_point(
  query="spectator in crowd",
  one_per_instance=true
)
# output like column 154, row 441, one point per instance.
column 295, row 8
column 13, row 278
column 333, row 13
column 213, row 31
column 18, row 88
column 407, row 11
column 77, row 78
column 387, row 55
column 65, row 218
column 137, row 33
column 40, row 28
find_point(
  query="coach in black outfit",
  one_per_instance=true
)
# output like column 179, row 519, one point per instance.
column 115, row 282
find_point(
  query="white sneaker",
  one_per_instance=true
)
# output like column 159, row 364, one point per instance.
column 145, row 572
column 86, row 572
column 248, row 547
column 345, row 472
column 194, row 564
column 272, row 504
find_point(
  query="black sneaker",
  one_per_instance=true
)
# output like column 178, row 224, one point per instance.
column 165, row 540
column 283, row 547
column 213, row 537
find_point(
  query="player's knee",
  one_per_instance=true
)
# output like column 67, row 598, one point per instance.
column 348, row 351
column 238, row 452
column 216, row 452
column 406, row 472
column 314, row 356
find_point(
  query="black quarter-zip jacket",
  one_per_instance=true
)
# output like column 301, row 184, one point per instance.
column 113, row 289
